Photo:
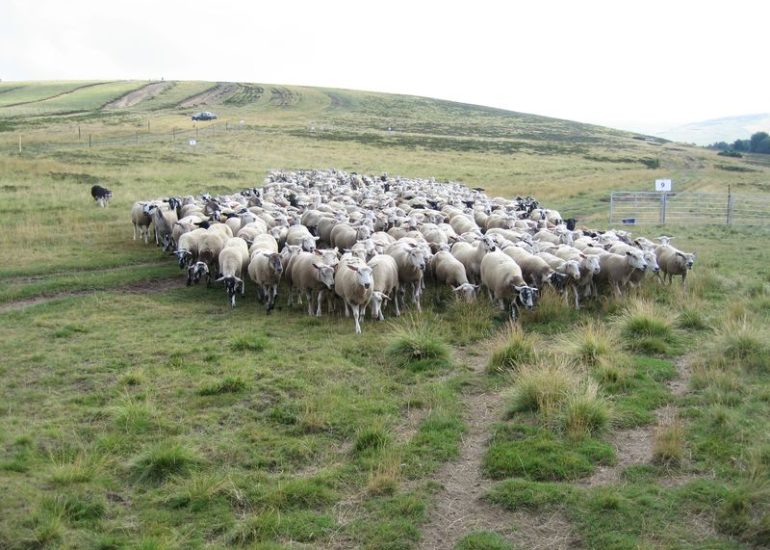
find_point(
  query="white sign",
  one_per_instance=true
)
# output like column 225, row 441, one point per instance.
column 193, row 142
column 662, row 185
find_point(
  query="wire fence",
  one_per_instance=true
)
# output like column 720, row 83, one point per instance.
column 77, row 138
column 660, row 208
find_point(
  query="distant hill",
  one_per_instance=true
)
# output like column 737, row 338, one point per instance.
column 719, row 129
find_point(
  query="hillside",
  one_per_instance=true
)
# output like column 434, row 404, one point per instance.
column 711, row 131
column 280, row 126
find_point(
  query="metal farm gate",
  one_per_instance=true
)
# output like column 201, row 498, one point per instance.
column 659, row 208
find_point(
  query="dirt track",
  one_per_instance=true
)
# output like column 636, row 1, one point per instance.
column 217, row 94
column 137, row 96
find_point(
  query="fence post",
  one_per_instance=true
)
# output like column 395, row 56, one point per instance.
column 612, row 205
column 173, row 134
column 729, row 205
column 19, row 143
column 89, row 140
column 663, row 208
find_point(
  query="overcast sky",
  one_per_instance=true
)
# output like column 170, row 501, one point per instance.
column 637, row 65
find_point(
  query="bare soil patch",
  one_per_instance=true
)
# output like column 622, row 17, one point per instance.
column 214, row 95
column 459, row 507
column 137, row 96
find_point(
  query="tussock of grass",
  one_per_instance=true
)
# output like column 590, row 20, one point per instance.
column 613, row 373
column 470, row 321
column 162, row 461
column 75, row 508
column 645, row 329
column 512, row 349
column 483, row 540
column 199, row 491
column 551, row 314
column 668, row 445
column 742, row 344
column 385, row 477
column 372, row 438
column 417, row 345
column 229, row 384
column 543, row 386
column 81, row 468
column 692, row 318
column 248, row 342
column 300, row 526
column 586, row 412
column 743, row 514
column 591, row 342
column 135, row 416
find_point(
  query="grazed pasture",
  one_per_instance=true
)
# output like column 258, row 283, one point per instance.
column 136, row 412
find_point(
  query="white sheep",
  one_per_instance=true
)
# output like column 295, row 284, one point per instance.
column 616, row 269
column 471, row 255
column 233, row 260
column 448, row 270
column 353, row 282
column 265, row 269
column 673, row 261
column 309, row 274
column 386, row 285
column 502, row 277
column 411, row 263
column 141, row 221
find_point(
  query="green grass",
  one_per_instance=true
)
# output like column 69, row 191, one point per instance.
column 137, row 412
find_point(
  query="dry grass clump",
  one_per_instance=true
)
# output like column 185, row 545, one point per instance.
column 543, row 386
column 668, row 443
column 742, row 344
column 590, row 342
column 512, row 349
column 586, row 412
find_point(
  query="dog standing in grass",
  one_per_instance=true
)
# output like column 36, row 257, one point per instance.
column 101, row 195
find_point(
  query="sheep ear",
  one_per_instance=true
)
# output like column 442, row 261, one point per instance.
column 222, row 278
column 317, row 252
column 317, row 266
column 354, row 268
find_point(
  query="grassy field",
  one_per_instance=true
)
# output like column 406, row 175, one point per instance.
column 138, row 413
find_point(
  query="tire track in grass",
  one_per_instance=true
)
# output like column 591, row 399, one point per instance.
column 145, row 286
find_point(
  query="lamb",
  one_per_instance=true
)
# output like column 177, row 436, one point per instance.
column 344, row 236
column 535, row 270
column 164, row 221
column 101, row 195
column 411, row 268
column 589, row 267
column 187, row 248
column 209, row 247
column 353, row 283
column 300, row 235
column 616, row 269
column 265, row 269
column 385, row 274
column 471, row 255
column 141, row 221
column 450, row 271
column 233, row 259
column 309, row 274
column 673, row 261
column 504, row 281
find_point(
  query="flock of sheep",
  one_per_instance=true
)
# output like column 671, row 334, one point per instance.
column 369, row 241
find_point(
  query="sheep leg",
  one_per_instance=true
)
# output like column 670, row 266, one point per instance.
column 136, row 229
column 398, row 311
column 577, row 300
column 309, row 296
column 355, row 309
column 320, row 298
